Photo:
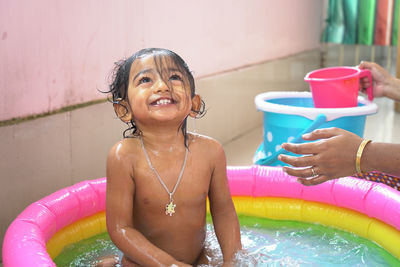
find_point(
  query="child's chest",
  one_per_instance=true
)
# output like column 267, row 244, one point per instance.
column 156, row 189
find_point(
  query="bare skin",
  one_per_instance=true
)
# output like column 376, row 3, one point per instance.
column 385, row 85
column 136, row 200
column 333, row 154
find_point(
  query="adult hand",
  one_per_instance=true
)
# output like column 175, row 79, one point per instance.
column 384, row 84
column 331, row 157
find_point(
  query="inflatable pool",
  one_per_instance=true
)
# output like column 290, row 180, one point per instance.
column 368, row 209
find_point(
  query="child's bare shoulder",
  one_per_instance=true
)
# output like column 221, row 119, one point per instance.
column 126, row 148
column 204, row 142
column 121, row 161
column 203, row 139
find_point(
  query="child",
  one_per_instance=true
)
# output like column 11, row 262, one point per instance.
column 159, row 178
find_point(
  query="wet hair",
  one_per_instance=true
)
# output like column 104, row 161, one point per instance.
column 162, row 57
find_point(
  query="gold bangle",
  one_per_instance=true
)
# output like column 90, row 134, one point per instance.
column 359, row 154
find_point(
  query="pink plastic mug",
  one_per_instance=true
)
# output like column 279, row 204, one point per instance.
column 337, row 87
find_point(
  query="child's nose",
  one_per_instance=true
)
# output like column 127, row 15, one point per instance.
column 161, row 86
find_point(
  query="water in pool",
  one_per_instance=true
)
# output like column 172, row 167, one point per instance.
column 266, row 243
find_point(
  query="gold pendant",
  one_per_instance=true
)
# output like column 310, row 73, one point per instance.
column 170, row 208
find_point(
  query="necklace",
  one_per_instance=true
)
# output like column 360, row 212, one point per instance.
column 170, row 207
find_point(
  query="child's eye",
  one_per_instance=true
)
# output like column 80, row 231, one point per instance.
column 144, row 80
column 175, row 77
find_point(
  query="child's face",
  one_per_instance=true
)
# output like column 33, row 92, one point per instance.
column 155, row 98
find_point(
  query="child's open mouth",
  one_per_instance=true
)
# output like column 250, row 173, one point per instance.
column 162, row 102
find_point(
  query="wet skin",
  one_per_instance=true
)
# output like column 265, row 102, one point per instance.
column 182, row 234
column 136, row 200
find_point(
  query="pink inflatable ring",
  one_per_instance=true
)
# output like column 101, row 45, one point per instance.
column 368, row 209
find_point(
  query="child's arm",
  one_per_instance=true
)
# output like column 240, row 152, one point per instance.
column 223, row 212
column 119, row 214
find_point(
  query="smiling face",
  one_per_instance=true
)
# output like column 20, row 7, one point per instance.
column 158, row 91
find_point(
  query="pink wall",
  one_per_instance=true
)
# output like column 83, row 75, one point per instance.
column 57, row 53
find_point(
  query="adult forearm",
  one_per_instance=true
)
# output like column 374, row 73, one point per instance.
column 393, row 89
column 383, row 157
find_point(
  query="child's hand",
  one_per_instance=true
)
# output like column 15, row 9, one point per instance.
column 228, row 264
column 107, row 261
column 180, row 264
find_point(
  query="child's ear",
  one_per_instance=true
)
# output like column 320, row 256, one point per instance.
column 196, row 105
column 123, row 111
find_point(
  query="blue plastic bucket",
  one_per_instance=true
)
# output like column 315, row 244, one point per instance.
column 289, row 115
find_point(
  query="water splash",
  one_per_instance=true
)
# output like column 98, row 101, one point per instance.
column 265, row 243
